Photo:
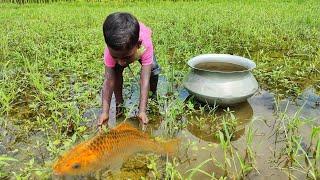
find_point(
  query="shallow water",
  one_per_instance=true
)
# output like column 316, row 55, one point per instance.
column 259, row 111
column 198, row 144
column 262, row 107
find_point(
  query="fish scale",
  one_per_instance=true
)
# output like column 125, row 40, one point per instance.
column 107, row 149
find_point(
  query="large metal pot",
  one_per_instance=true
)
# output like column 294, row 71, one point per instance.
column 221, row 87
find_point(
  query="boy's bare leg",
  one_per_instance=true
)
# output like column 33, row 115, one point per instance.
column 153, row 86
column 118, row 89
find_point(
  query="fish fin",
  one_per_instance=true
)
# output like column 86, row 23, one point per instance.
column 116, row 165
column 125, row 126
column 171, row 146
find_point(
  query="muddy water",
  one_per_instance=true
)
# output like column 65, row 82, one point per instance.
column 243, row 113
column 220, row 66
column 200, row 143
column 263, row 108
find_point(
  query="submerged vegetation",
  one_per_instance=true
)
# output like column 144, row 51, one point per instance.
column 288, row 130
column 51, row 74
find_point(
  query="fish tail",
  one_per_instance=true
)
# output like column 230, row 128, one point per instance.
column 170, row 147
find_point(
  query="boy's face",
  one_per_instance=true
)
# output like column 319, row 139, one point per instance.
column 123, row 58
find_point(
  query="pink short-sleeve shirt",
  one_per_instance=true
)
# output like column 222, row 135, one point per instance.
column 145, row 51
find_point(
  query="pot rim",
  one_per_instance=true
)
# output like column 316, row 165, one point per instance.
column 228, row 58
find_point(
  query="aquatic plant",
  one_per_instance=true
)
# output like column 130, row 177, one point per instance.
column 197, row 169
column 4, row 162
column 172, row 112
column 293, row 148
column 171, row 171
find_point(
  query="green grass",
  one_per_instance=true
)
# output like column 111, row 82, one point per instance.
column 290, row 155
column 51, row 68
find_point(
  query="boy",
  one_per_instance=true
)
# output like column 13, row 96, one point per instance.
column 127, row 40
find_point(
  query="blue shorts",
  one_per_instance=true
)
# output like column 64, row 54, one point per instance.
column 155, row 70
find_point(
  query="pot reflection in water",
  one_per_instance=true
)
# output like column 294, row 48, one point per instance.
column 205, row 125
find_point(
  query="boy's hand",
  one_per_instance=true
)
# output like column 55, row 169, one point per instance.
column 143, row 118
column 104, row 117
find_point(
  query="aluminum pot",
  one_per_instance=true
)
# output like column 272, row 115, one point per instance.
column 221, row 87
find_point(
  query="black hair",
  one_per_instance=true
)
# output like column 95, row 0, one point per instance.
column 121, row 31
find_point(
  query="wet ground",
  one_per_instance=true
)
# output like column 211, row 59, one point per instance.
column 198, row 143
column 260, row 109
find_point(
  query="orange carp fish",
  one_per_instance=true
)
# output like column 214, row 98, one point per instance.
column 106, row 149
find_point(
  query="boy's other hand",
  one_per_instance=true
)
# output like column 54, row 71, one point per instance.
column 103, row 119
column 143, row 118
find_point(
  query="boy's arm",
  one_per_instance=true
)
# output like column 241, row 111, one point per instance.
column 107, row 91
column 144, row 89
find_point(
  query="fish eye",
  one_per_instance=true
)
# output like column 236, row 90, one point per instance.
column 76, row 166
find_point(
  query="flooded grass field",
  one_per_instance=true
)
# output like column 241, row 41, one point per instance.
column 51, row 74
column 257, row 137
